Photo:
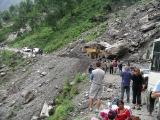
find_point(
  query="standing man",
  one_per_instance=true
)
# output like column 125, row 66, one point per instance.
column 96, row 87
column 120, row 65
column 156, row 90
column 137, row 88
column 155, row 94
column 125, row 84
column 110, row 67
column 114, row 63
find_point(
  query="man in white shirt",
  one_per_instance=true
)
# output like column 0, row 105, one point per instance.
column 96, row 86
column 155, row 94
column 156, row 90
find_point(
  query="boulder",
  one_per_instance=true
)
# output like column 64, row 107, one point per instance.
column 12, row 36
column 28, row 96
column 23, row 70
column 150, row 34
column 3, row 74
column 43, row 73
column 2, row 66
column 154, row 16
column 134, row 43
column 149, row 6
column 12, row 103
column 83, row 104
column 143, row 19
column 56, row 87
column 3, row 95
column 45, row 110
column 1, row 104
column 109, row 90
column 158, row 24
column 28, row 28
column 134, row 57
column 113, row 32
column 150, row 10
column 147, row 27
column 35, row 118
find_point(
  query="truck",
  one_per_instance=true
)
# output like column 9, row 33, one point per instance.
column 153, row 105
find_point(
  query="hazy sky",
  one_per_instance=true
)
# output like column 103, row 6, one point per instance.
column 4, row 4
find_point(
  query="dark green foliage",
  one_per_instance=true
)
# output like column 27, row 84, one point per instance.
column 1, row 25
column 124, row 1
column 6, row 15
column 13, row 10
column 107, row 7
column 66, row 88
column 74, row 91
column 58, row 22
column 4, row 33
column 62, row 111
column 64, row 99
column 10, row 59
column 79, row 78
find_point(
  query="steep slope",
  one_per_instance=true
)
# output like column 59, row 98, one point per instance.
column 42, row 79
column 136, row 27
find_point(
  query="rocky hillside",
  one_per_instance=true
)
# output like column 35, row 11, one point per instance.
column 136, row 27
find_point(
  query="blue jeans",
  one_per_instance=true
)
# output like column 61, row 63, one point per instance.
column 127, row 89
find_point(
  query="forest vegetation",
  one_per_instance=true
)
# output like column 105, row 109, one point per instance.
column 54, row 23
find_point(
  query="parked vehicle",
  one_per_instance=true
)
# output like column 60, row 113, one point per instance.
column 145, row 74
column 37, row 51
column 26, row 49
column 153, row 76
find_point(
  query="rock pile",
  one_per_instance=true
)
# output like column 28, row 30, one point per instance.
column 138, row 26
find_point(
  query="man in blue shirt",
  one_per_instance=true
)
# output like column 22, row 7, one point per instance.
column 125, row 84
column 156, row 90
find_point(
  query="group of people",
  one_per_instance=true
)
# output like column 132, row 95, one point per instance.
column 138, row 85
column 115, row 65
column 112, row 66
column 128, row 74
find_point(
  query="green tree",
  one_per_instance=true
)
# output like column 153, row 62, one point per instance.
column 29, row 6
column 12, row 10
column 41, row 5
column 6, row 15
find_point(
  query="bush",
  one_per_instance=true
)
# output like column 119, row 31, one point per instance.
column 4, row 33
column 10, row 58
column 79, row 77
column 62, row 111
column 66, row 88
column 63, row 100
column 74, row 91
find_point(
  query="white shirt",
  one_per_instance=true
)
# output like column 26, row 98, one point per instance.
column 98, row 76
column 157, row 87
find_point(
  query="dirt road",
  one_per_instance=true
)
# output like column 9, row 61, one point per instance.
column 114, row 91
